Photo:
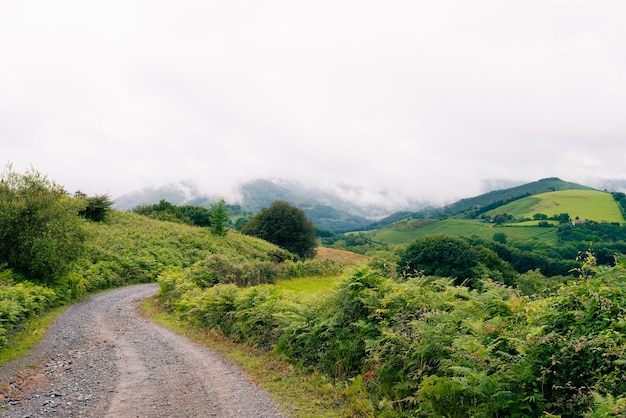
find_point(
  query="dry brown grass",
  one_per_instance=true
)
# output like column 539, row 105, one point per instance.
column 341, row 256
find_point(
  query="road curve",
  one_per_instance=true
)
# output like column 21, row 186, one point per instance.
column 101, row 359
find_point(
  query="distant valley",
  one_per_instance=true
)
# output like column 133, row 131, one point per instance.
column 333, row 212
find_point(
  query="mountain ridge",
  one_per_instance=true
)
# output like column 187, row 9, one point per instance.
column 331, row 211
column 325, row 210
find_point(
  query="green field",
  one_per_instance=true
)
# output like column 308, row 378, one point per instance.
column 406, row 231
column 582, row 204
column 303, row 287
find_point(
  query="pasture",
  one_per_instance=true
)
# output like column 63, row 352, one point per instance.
column 407, row 230
column 582, row 204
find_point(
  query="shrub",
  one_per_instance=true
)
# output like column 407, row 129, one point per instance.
column 21, row 301
column 581, row 348
column 439, row 255
column 332, row 337
column 97, row 208
column 41, row 232
column 286, row 226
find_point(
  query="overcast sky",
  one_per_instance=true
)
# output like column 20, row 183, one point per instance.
column 427, row 99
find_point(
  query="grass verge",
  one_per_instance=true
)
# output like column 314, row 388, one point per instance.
column 308, row 286
column 297, row 393
column 31, row 333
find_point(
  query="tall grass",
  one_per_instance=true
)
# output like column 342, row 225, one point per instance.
column 308, row 286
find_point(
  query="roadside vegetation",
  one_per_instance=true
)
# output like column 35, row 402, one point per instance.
column 57, row 247
column 447, row 324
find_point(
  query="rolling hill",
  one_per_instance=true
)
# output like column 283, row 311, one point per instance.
column 475, row 216
column 474, row 206
column 579, row 204
column 499, row 197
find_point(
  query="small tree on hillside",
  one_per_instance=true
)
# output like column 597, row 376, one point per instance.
column 96, row 208
column 219, row 217
column 286, row 226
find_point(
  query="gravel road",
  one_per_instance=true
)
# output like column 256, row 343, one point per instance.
column 101, row 359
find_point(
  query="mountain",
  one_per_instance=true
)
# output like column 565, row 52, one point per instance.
column 180, row 193
column 258, row 194
column 324, row 210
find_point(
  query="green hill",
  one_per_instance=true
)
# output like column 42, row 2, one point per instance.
column 579, row 204
column 474, row 206
column 497, row 198
column 462, row 218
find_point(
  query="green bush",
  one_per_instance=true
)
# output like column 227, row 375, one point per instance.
column 42, row 234
column 308, row 268
column 333, row 336
column 581, row 348
column 439, row 255
column 21, row 301
column 286, row 226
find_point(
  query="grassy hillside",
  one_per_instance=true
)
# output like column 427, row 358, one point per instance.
column 497, row 196
column 583, row 204
column 406, row 231
column 135, row 248
column 473, row 206
column 131, row 248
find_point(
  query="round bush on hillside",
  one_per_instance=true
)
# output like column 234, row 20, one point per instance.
column 439, row 255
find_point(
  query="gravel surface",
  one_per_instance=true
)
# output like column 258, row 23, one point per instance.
column 101, row 359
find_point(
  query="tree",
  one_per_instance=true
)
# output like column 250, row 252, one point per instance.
column 439, row 255
column 286, row 226
column 564, row 218
column 500, row 237
column 41, row 234
column 198, row 215
column 219, row 217
column 163, row 211
column 500, row 219
column 96, row 208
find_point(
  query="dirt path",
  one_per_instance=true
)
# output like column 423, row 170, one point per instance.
column 101, row 359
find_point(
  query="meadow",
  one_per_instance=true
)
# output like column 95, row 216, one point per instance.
column 579, row 204
column 406, row 231
column 520, row 228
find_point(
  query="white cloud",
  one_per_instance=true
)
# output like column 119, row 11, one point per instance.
column 425, row 99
